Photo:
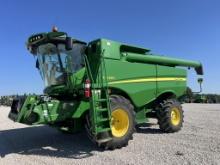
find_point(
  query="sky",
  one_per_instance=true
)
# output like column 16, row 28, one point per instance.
column 187, row 29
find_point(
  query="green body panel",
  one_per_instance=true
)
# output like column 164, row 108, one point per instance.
column 52, row 111
column 80, row 109
column 140, row 116
column 177, row 87
column 77, row 79
column 119, row 73
column 139, row 79
column 113, row 68
column 29, row 104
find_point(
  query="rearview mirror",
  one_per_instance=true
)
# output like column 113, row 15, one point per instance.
column 200, row 80
column 69, row 43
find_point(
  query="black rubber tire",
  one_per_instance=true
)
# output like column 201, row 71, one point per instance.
column 17, row 104
column 116, row 102
column 164, row 116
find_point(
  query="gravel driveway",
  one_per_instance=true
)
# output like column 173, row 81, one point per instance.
column 197, row 143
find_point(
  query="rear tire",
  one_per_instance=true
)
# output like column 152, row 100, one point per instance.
column 170, row 116
column 122, row 124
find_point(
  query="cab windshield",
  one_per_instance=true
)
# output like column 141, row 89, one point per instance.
column 55, row 62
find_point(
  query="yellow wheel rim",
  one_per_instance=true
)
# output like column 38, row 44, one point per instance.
column 119, row 122
column 175, row 116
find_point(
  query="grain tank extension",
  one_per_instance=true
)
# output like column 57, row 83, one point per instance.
column 104, row 87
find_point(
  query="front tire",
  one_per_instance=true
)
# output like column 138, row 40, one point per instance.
column 122, row 123
column 170, row 116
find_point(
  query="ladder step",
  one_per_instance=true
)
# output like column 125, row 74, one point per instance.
column 103, row 130
column 102, row 120
column 102, row 109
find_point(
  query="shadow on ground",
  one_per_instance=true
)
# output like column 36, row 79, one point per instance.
column 146, row 128
column 45, row 141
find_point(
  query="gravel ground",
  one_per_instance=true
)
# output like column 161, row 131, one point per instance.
column 197, row 143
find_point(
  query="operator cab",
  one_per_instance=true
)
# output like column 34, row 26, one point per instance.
column 55, row 62
column 58, row 56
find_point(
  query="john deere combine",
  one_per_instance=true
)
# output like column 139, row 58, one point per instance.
column 104, row 87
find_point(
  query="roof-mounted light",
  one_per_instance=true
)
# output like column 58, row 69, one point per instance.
column 54, row 29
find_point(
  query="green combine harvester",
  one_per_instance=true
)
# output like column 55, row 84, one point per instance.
column 104, row 87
